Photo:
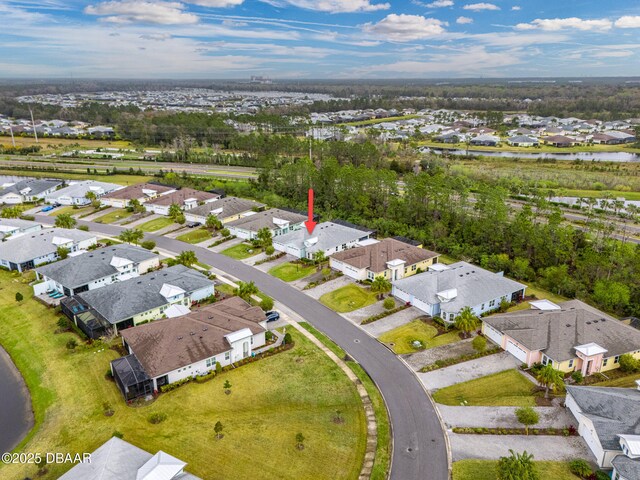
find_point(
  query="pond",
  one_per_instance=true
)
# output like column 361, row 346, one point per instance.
column 16, row 416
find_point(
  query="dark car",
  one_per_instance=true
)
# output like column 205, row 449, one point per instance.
column 193, row 224
column 272, row 316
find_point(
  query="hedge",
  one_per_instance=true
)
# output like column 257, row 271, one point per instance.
column 270, row 258
column 386, row 313
column 447, row 362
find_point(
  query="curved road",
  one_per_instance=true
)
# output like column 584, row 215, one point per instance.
column 419, row 447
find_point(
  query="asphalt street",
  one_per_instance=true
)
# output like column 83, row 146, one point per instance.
column 419, row 446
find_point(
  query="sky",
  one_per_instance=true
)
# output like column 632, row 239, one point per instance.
column 323, row 39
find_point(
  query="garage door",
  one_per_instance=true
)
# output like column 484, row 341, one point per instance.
column 493, row 334
column 516, row 351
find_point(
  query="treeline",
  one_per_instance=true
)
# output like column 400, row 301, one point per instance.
column 465, row 219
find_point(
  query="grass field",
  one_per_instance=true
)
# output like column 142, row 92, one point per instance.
column 403, row 336
column 113, row 216
column 383, row 450
column 290, row 272
column 541, row 149
column 348, row 298
column 271, row 401
column 49, row 143
column 195, row 236
column 241, row 251
column 504, row 389
column 540, row 294
column 486, row 470
column 155, row 224
column 628, row 381
column 70, row 210
column 601, row 194
column 120, row 179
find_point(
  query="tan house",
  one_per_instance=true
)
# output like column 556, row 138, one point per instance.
column 185, row 198
column 226, row 210
column 388, row 258
column 143, row 192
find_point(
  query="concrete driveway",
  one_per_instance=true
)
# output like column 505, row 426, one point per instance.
column 502, row 417
column 396, row 320
column 470, row 370
column 492, row 447
column 427, row 357
column 329, row 286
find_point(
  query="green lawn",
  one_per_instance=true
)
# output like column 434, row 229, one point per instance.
column 195, row 236
column 628, row 381
column 113, row 216
column 155, row 224
column 504, row 389
column 348, row 298
column 486, row 470
column 271, row 401
column 290, row 272
column 403, row 336
column 241, row 251
column 70, row 210
column 539, row 294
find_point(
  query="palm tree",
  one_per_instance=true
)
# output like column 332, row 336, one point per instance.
column 133, row 235
column 549, row 377
column 187, row 258
column 174, row 211
column 517, row 466
column 380, row 285
column 245, row 290
column 466, row 321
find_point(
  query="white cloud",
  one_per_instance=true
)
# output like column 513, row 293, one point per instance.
column 339, row 6
column 464, row 20
column 158, row 37
column 516, row 8
column 614, row 54
column 440, row 4
column 405, row 28
column 142, row 11
column 216, row 3
column 555, row 24
column 234, row 23
column 628, row 22
column 477, row 7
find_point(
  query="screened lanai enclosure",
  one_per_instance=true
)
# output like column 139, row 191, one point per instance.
column 87, row 319
column 131, row 378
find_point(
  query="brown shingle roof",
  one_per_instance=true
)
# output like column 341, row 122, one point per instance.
column 135, row 191
column 181, row 195
column 375, row 257
column 166, row 345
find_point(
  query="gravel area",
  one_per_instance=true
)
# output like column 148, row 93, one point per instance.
column 329, row 286
column 225, row 245
column 99, row 214
column 463, row 372
column 427, row 357
column 357, row 316
column 492, row 447
column 502, row 417
column 395, row 320
column 265, row 267
column 142, row 220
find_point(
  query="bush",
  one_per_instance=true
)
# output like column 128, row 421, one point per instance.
column 269, row 250
column 19, row 297
column 628, row 364
column 577, row 377
column 287, row 338
column 600, row 475
column 218, row 367
column 266, row 304
column 72, row 344
column 388, row 303
column 156, row 418
column 31, row 218
column 84, row 228
column 148, row 244
column 63, row 323
column 117, row 434
column 479, row 343
column 580, row 467
column 206, row 378
column 225, row 232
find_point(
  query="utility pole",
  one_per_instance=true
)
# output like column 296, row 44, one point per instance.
column 13, row 140
column 33, row 124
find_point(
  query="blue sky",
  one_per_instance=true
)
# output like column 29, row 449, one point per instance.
column 319, row 38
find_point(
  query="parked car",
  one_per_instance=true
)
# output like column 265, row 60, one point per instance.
column 272, row 316
column 193, row 224
column 48, row 208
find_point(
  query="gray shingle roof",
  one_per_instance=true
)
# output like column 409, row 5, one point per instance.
column 122, row 300
column 629, row 468
column 230, row 206
column 329, row 235
column 82, row 269
column 80, row 189
column 557, row 332
column 474, row 286
column 613, row 411
column 36, row 186
column 38, row 244
column 259, row 220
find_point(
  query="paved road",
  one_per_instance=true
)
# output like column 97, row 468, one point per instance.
column 419, row 445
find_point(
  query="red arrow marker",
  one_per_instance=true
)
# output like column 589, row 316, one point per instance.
column 310, row 223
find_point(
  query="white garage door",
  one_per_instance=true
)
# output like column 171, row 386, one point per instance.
column 493, row 334
column 516, row 351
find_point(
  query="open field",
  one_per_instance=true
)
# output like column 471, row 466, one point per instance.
column 120, row 179
column 155, row 224
column 401, row 338
column 241, row 251
column 486, row 470
column 504, row 389
column 290, row 272
column 541, row 149
column 348, row 298
column 196, row 235
column 375, row 121
column 54, row 143
column 113, row 216
column 272, row 400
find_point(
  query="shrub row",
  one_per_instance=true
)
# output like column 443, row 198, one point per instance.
column 565, row 432
column 447, row 362
column 373, row 318
column 270, row 258
column 221, row 241
column 322, row 280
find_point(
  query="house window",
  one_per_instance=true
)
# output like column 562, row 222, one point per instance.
column 545, row 359
column 604, row 363
column 616, row 359
column 211, row 362
column 492, row 303
column 571, row 363
column 482, row 307
column 227, row 356
column 414, row 268
column 451, row 317
column 370, row 275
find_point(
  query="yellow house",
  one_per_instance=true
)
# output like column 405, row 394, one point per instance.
column 390, row 258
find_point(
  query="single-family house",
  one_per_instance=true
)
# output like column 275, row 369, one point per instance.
column 76, row 193
column 138, row 300
column 572, row 336
column 95, row 269
column 523, row 141
column 327, row 237
column 42, row 246
column 11, row 228
column 189, row 345
column 388, row 258
column 559, row 141
column 30, row 190
column 485, row 140
column 609, row 421
column 142, row 192
column 226, row 210
column 278, row 221
column 119, row 460
column 185, row 198
column 444, row 290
